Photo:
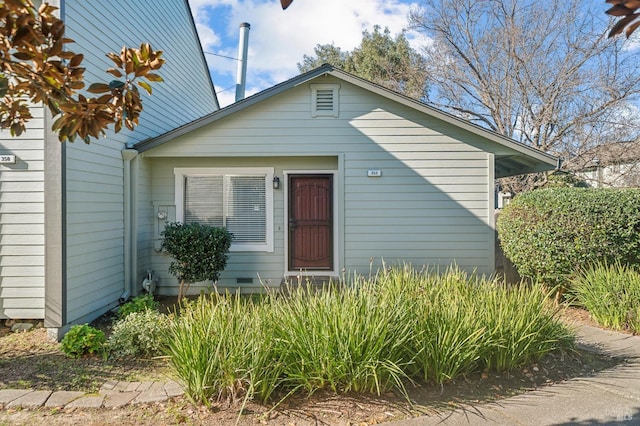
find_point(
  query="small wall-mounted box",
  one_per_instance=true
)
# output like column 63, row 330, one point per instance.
column 374, row 173
column 7, row 159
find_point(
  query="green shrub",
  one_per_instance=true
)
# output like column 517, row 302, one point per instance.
column 611, row 294
column 199, row 252
column 367, row 336
column 139, row 334
column 83, row 339
column 138, row 304
column 548, row 234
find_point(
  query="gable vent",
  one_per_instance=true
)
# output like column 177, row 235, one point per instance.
column 325, row 100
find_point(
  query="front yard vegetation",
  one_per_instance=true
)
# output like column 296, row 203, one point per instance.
column 582, row 241
column 402, row 327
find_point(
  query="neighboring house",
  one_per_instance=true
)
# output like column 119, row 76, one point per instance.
column 613, row 165
column 66, row 249
column 322, row 175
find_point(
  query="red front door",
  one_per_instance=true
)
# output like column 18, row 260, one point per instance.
column 310, row 222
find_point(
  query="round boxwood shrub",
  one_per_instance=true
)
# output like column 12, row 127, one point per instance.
column 199, row 252
column 548, row 234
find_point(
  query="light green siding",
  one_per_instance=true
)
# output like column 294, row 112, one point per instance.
column 22, row 222
column 95, row 188
column 432, row 204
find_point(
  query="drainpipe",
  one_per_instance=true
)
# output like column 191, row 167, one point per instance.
column 243, row 49
column 127, row 156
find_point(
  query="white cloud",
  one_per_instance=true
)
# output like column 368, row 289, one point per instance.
column 278, row 39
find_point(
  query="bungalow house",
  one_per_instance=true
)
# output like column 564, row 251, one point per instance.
column 65, row 223
column 321, row 175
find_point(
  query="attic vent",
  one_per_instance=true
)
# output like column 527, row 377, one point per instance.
column 325, row 100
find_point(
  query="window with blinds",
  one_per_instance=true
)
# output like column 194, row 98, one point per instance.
column 239, row 202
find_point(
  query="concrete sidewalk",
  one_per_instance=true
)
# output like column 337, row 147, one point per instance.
column 112, row 395
column 611, row 397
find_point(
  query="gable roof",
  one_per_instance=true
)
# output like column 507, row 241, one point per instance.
column 520, row 159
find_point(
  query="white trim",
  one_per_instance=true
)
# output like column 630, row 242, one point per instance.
column 268, row 172
column 336, row 235
column 491, row 212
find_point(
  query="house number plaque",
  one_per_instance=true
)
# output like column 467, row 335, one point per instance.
column 7, row 159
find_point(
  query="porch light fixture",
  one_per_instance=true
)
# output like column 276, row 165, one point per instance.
column 276, row 182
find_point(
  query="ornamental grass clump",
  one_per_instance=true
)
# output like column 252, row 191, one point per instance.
column 342, row 338
column 611, row 294
column 220, row 346
column 368, row 335
column 521, row 325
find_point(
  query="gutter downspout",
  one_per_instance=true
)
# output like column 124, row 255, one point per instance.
column 243, row 49
column 127, row 156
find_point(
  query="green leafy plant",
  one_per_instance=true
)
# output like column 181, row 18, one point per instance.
column 548, row 234
column 139, row 334
column 138, row 304
column 611, row 294
column 83, row 339
column 368, row 335
column 199, row 252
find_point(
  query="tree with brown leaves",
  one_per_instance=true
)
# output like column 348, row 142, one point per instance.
column 36, row 67
column 626, row 9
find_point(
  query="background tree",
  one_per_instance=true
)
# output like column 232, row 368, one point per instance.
column 541, row 72
column 380, row 58
column 36, row 67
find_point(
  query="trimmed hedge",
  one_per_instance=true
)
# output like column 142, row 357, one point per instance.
column 199, row 251
column 548, row 234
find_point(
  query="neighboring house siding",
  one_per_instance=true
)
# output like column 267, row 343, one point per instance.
column 431, row 205
column 22, row 222
column 95, row 189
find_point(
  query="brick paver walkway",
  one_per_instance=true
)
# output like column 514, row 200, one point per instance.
column 113, row 394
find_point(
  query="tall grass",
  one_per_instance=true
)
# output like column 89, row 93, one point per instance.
column 611, row 294
column 221, row 348
column 368, row 335
column 343, row 339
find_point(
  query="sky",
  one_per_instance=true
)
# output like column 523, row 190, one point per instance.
column 278, row 39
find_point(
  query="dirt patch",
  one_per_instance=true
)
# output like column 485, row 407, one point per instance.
column 30, row 360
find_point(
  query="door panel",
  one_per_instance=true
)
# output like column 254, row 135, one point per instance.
column 310, row 222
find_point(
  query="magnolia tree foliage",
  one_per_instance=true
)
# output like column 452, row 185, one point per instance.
column 199, row 252
column 380, row 58
column 629, row 19
column 36, row 66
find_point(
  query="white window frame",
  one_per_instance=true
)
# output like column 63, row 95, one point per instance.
column 182, row 172
column 335, row 88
